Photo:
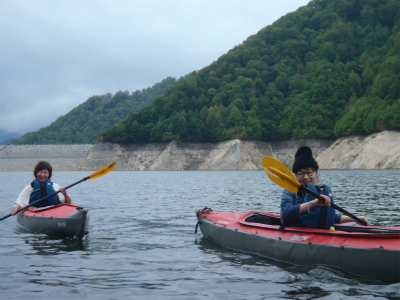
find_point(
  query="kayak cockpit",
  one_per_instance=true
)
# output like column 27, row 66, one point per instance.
column 262, row 218
column 255, row 217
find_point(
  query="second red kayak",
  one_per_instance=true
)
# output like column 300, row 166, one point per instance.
column 372, row 252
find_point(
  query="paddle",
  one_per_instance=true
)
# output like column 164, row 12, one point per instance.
column 282, row 176
column 96, row 174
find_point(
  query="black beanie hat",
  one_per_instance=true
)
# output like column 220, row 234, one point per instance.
column 303, row 159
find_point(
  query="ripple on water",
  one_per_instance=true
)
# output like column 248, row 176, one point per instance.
column 142, row 245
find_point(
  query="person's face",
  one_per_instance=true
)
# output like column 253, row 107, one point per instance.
column 43, row 175
column 307, row 176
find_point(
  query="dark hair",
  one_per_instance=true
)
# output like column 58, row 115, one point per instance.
column 303, row 159
column 43, row 165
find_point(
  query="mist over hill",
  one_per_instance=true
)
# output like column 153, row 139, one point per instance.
column 83, row 124
column 6, row 137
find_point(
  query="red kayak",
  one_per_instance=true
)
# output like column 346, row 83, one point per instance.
column 372, row 252
column 62, row 220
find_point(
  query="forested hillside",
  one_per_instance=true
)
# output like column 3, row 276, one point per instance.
column 83, row 124
column 327, row 70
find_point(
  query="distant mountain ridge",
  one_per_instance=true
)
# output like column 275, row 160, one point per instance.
column 83, row 124
column 6, row 137
column 329, row 69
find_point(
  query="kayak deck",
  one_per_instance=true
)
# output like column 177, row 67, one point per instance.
column 62, row 220
column 58, row 211
column 343, row 235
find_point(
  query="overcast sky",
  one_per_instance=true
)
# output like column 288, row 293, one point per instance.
column 55, row 54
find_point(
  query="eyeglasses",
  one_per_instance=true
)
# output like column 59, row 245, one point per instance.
column 309, row 173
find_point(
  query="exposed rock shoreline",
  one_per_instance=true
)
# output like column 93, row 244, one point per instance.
column 377, row 151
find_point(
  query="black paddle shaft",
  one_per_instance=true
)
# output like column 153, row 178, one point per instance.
column 319, row 197
column 44, row 198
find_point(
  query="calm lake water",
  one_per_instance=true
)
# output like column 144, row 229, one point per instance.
column 142, row 244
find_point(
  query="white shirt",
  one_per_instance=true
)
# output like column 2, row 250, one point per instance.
column 23, row 198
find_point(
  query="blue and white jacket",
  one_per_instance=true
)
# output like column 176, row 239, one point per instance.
column 24, row 197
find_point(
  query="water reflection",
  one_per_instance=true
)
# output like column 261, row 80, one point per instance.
column 293, row 273
column 52, row 245
column 142, row 242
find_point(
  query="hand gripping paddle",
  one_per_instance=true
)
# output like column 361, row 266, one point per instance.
column 94, row 175
column 282, row 176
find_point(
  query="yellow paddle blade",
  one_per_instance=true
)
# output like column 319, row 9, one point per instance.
column 103, row 171
column 280, row 174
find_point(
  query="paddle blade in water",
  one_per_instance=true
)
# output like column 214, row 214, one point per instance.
column 103, row 171
column 280, row 174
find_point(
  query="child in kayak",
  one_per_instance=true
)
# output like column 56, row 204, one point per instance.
column 301, row 209
column 40, row 187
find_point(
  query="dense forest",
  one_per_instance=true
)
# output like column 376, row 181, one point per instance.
column 329, row 69
column 83, row 124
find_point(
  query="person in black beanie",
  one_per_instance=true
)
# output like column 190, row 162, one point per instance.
column 303, row 159
column 301, row 209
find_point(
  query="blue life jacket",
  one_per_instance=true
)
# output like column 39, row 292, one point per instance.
column 41, row 190
column 318, row 216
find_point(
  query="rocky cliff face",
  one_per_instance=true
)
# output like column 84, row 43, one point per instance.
column 228, row 155
column 377, row 151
